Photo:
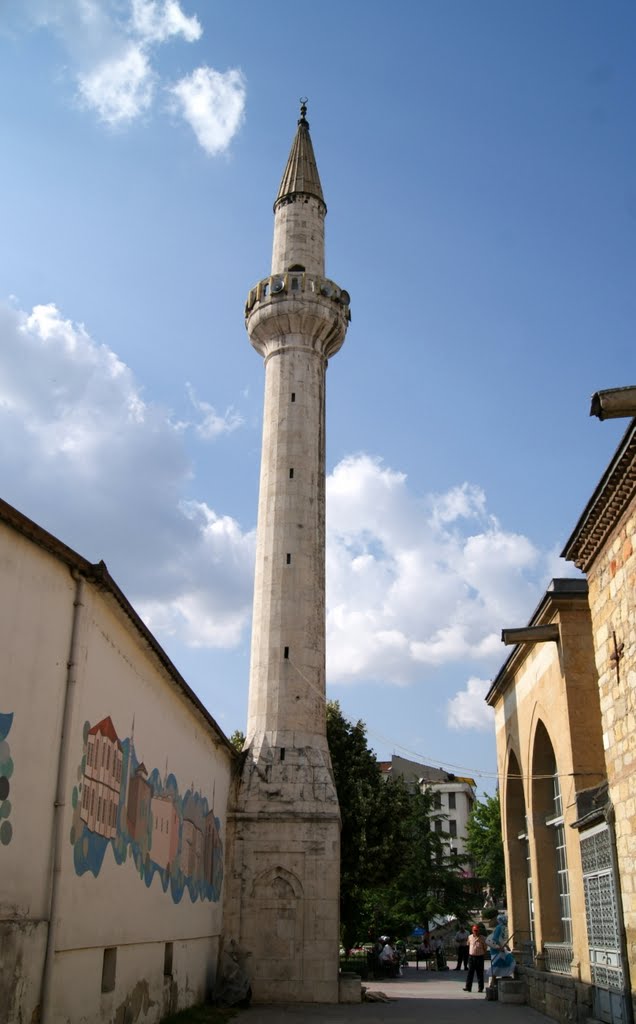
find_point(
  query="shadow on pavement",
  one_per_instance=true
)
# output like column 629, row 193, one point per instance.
column 417, row 996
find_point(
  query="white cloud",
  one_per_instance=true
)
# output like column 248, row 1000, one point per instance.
column 112, row 46
column 119, row 89
column 155, row 22
column 414, row 584
column 462, row 502
column 468, row 708
column 117, row 479
column 212, row 424
column 213, row 104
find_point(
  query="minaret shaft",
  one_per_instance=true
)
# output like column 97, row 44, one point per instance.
column 287, row 681
column 283, row 901
column 299, row 236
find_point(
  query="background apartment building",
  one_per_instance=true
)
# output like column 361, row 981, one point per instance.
column 453, row 796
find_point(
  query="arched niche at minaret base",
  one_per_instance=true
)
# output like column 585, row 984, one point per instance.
column 283, row 903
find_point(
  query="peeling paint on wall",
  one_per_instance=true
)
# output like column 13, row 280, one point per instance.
column 6, row 771
column 117, row 803
column 136, row 1002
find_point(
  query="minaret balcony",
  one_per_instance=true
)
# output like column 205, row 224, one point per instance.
column 297, row 305
column 295, row 284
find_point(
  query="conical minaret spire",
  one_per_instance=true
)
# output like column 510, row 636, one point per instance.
column 288, row 822
column 299, row 209
column 301, row 172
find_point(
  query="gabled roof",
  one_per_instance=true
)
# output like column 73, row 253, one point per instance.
column 98, row 575
column 301, row 172
column 613, row 495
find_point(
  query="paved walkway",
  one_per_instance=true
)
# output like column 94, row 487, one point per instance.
column 416, row 997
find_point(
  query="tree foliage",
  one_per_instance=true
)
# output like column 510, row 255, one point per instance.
column 485, row 845
column 237, row 739
column 372, row 820
column 396, row 870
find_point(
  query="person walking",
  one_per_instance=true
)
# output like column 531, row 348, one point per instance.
column 477, row 950
column 461, row 945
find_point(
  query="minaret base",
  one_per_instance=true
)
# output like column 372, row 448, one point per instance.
column 283, row 892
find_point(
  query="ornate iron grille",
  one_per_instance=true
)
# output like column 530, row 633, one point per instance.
column 596, row 853
column 601, row 913
column 558, row 957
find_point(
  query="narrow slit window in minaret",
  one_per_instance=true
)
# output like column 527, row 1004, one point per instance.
column 286, row 652
column 282, row 753
column 288, row 558
column 291, row 474
column 293, row 396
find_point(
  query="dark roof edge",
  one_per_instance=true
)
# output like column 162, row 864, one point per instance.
column 559, row 590
column 98, row 574
column 43, row 539
column 597, row 500
column 594, row 806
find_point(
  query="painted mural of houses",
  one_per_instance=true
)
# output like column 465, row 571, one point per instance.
column 192, row 849
column 212, row 848
column 101, row 786
column 165, row 830
column 138, row 808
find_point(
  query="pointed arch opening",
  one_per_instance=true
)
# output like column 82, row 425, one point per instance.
column 520, row 899
column 550, row 852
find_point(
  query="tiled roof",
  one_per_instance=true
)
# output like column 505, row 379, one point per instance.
column 105, row 728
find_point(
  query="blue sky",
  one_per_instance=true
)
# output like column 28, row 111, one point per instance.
column 477, row 159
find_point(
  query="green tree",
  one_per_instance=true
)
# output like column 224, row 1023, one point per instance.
column 237, row 739
column 485, row 845
column 373, row 817
column 396, row 870
column 429, row 882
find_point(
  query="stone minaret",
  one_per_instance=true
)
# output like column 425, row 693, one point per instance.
column 285, row 884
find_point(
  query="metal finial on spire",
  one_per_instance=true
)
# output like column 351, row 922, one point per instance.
column 301, row 173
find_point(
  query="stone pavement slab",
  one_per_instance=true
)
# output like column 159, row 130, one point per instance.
column 416, row 997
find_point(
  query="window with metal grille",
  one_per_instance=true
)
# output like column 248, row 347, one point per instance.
column 563, row 880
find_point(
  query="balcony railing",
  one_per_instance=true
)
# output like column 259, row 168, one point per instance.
column 558, row 957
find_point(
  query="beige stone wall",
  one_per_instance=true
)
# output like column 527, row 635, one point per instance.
column 612, row 587
column 553, row 687
column 108, row 897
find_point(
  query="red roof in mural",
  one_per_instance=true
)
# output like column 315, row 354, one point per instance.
column 105, row 728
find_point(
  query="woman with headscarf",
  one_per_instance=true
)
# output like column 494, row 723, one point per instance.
column 502, row 962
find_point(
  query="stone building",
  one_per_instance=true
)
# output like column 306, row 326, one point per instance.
column 603, row 547
column 549, row 750
column 565, row 743
column 286, row 849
